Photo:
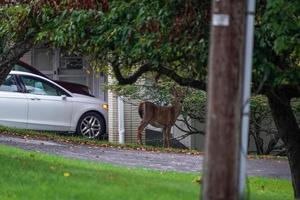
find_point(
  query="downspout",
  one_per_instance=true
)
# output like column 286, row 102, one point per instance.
column 121, row 127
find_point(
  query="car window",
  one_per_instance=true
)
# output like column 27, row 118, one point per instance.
column 17, row 67
column 39, row 86
column 9, row 84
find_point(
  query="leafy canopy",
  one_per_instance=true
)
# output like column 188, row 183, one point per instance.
column 169, row 37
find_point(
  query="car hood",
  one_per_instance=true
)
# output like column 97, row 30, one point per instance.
column 87, row 99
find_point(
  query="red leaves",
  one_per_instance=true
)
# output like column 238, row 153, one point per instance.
column 105, row 5
column 184, row 19
column 187, row 18
column 79, row 4
column 13, row 2
column 64, row 4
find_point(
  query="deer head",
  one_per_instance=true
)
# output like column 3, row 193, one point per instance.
column 179, row 95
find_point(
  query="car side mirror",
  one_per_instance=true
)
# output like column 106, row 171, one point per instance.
column 63, row 97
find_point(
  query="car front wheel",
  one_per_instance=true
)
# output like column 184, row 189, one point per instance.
column 91, row 125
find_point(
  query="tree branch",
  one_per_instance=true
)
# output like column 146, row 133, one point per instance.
column 181, row 80
column 10, row 57
column 16, row 52
column 134, row 77
column 161, row 70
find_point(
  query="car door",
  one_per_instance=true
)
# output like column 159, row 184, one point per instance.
column 13, row 104
column 49, row 108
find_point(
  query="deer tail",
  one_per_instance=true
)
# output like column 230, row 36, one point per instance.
column 141, row 110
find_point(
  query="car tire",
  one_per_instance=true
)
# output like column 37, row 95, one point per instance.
column 91, row 125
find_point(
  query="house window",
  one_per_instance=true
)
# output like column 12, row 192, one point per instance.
column 43, row 59
column 69, row 61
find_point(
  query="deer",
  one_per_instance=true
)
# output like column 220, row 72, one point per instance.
column 163, row 117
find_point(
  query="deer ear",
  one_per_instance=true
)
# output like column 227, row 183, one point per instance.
column 182, row 92
column 178, row 92
column 173, row 91
column 185, row 91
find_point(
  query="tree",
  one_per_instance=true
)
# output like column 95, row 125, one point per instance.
column 276, row 62
column 26, row 23
column 15, row 38
column 170, row 38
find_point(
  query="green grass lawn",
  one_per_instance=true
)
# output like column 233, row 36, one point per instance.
column 35, row 176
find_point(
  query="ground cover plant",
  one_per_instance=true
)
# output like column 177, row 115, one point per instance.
column 76, row 139
column 30, row 175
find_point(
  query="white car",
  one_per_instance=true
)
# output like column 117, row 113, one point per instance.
column 33, row 102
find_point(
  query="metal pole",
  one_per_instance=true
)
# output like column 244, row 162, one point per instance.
column 223, row 127
column 246, row 93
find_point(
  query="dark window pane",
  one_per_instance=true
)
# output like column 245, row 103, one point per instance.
column 9, row 85
column 20, row 68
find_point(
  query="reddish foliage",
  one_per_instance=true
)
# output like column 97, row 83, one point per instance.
column 184, row 19
column 77, row 4
column 105, row 5
column 11, row 2
column 64, row 4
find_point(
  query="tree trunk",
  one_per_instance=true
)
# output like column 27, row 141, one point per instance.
column 289, row 132
column 257, row 139
column 11, row 56
column 4, row 71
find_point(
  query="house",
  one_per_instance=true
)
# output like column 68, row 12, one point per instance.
column 59, row 65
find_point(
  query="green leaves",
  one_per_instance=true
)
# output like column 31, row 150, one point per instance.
column 277, row 42
column 172, row 33
column 161, row 33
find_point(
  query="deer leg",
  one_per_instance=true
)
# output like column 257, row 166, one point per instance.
column 168, row 134
column 164, row 137
column 140, row 130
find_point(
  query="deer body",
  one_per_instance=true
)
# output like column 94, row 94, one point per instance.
column 158, row 116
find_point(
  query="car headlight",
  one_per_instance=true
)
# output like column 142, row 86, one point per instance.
column 105, row 106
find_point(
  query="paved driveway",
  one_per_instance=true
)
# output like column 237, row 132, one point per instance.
column 134, row 158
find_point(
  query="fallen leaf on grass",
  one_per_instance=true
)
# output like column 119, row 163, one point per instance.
column 197, row 180
column 66, row 174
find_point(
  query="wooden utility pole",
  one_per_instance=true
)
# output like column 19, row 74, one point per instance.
column 222, row 153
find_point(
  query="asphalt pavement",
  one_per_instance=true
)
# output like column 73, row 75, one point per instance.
column 277, row 168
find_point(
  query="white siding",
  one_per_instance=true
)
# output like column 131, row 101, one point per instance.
column 132, row 121
column 113, row 135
